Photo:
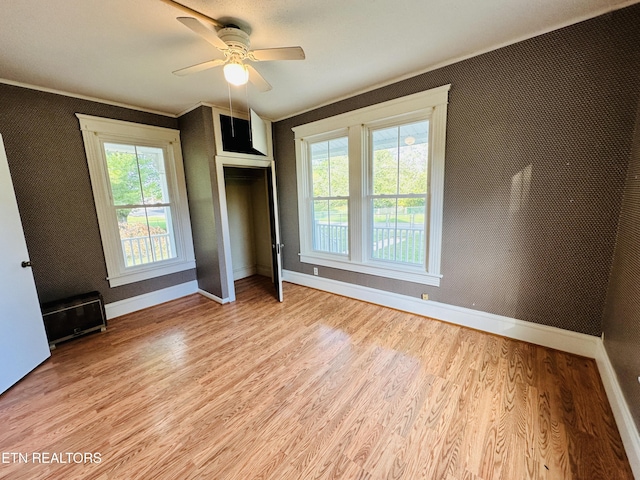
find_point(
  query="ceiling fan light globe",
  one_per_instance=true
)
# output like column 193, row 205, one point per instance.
column 236, row 74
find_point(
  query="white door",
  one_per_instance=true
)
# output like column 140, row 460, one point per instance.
column 275, row 231
column 23, row 341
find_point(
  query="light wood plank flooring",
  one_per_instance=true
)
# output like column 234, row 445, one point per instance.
column 318, row 387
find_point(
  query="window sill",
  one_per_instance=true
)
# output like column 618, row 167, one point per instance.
column 415, row 276
column 149, row 272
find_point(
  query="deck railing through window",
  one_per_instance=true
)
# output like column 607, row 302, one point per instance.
column 404, row 244
column 140, row 250
column 333, row 238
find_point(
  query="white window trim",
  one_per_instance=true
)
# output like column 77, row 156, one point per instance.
column 430, row 104
column 95, row 132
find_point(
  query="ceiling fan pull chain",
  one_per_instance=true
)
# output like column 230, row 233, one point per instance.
column 231, row 109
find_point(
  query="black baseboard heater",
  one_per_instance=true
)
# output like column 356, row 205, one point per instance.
column 73, row 317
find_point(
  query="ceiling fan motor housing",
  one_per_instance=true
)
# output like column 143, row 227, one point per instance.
column 236, row 39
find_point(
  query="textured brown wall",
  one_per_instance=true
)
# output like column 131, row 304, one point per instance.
column 621, row 323
column 51, row 179
column 562, row 104
column 198, row 149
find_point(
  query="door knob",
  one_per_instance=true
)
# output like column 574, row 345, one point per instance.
column 26, row 264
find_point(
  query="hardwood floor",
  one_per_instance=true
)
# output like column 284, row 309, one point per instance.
column 318, row 387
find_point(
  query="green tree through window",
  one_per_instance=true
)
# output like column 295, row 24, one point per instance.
column 131, row 177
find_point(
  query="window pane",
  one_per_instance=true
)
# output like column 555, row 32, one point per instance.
column 320, row 168
column 413, row 154
column 137, row 174
column 146, row 235
column 331, row 226
column 330, row 168
column 123, row 174
column 400, row 156
column 399, row 230
column 385, row 161
column 152, row 175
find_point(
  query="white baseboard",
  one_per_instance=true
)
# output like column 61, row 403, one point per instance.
column 244, row 272
column 559, row 339
column 624, row 420
column 211, row 296
column 572, row 342
column 129, row 305
column 264, row 270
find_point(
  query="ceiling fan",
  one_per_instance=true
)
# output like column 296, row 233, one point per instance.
column 234, row 43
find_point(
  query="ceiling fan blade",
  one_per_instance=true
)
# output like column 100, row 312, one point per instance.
column 258, row 80
column 199, row 67
column 194, row 13
column 283, row 53
column 209, row 35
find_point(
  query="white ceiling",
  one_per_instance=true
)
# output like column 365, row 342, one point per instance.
column 123, row 51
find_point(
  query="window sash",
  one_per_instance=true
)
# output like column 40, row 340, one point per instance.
column 390, row 147
column 328, row 237
column 396, row 242
column 146, row 245
column 140, row 244
column 399, row 153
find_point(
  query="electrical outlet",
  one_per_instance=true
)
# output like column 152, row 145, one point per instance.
column 315, row 270
column 425, row 296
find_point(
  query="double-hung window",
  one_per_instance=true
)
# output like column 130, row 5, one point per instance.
column 371, row 185
column 140, row 195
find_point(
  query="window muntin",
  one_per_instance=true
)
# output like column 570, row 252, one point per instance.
column 141, row 202
column 399, row 187
column 330, row 195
